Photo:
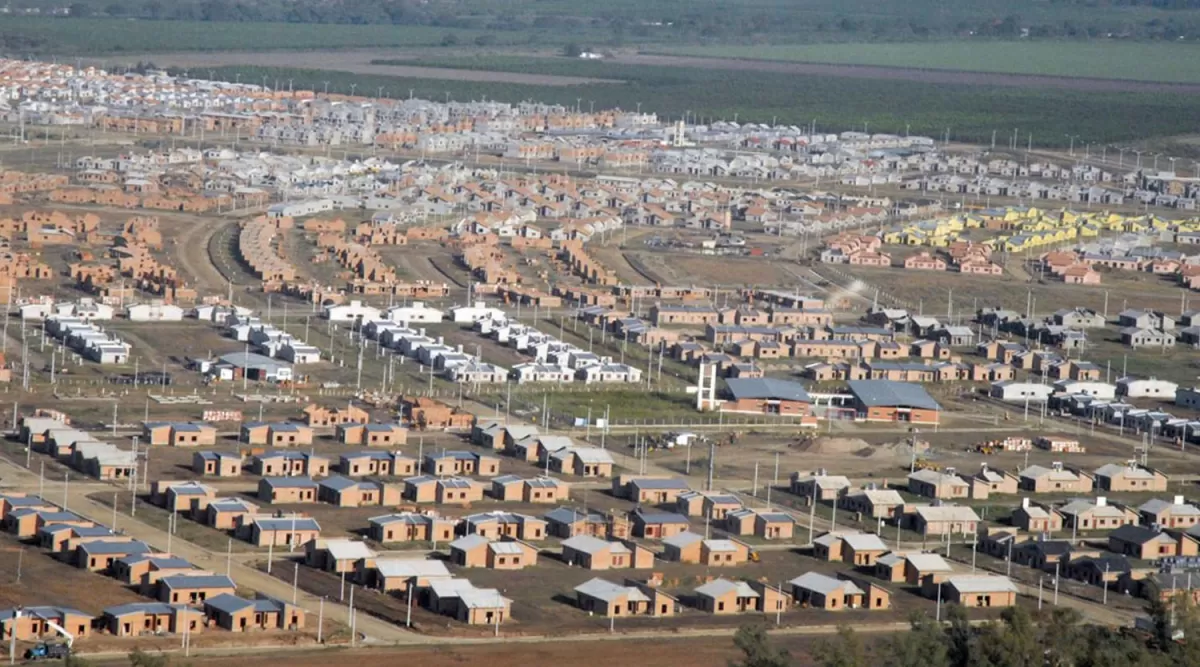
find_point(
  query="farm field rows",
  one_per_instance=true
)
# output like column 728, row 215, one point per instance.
column 1135, row 61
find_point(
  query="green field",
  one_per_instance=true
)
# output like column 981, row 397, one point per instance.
column 971, row 112
column 28, row 35
column 1138, row 61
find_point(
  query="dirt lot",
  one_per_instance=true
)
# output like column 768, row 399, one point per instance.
column 48, row 581
column 710, row 651
column 544, row 601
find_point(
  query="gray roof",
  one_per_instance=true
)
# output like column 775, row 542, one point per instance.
column 567, row 515
column 155, row 608
column 670, row 483
column 888, row 392
column 590, row 545
column 719, row 587
column 824, row 584
column 230, row 604
column 659, row 517
column 290, row 482
column 606, row 590
column 253, row 361
column 106, row 547
column 767, row 388
column 287, row 524
column 197, row 581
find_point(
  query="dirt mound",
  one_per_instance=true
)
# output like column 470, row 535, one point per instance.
column 832, row 445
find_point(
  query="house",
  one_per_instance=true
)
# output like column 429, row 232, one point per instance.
column 289, row 464
column 593, row 553
column 873, row 503
column 1129, row 477
column 193, row 588
column 656, row 491
column 410, row 527
column 35, row 623
column 461, row 463
column 1147, row 388
column 851, row 547
column 217, row 464
column 1142, row 543
column 582, row 462
column 144, row 570
column 236, row 614
column 191, row 497
column 890, row 401
column 768, row 525
column 287, row 490
column 819, row 485
column 938, row 485
column 498, row 525
column 944, row 519
column 179, row 434
column 319, row 415
column 821, row 591
column 461, row 600
column 722, row 596
column 1173, row 514
column 279, row 531
column 151, row 618
column 1096, row 515
column 345, row 492
column 657, row 525
column 371, row 435
column 566, row 522
column 598, row 596
column 397, row 575
column 475, row 550
column 335, row 554
column 102, row 554
column 974, row 590
column 1055, row 479
column 228, row 513
column 767, row 396
column 1033, row 518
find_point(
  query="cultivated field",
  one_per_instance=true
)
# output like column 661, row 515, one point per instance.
column 1129, row 61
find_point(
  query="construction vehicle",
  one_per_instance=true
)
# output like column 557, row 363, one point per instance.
column 46, row 651
column 52, row 651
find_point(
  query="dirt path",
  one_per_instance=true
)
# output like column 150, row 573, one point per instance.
column 909, row 74
column 357, row 61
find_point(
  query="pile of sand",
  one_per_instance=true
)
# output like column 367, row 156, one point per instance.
column 830, row 445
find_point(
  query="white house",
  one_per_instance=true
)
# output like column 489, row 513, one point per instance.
column 350, row 312
column 534, row 372
column 154, row 312
column 609, row 373
column 300, row 209
column 418, row 312
column 111, row 352
column 475, row 313
column 299, row 353
column 1008, row 390
column 1146, row 388
column 478, row 373
column 1101, row 390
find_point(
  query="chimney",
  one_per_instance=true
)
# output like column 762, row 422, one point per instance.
column 950, row 471
column 1178, row 500
column 1057, row 465
column 1101, row 501
column 1025, row 503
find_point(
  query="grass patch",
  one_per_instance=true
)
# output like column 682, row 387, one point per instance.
column 1138, row 61
column 972, row 113
column 26, row 35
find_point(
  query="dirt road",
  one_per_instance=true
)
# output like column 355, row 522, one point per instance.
column 357, row 61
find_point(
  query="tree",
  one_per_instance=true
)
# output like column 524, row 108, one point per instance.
column 752, row 641
column 846, row 650
column 449, row 39
column 925, row 645
column 572, row 50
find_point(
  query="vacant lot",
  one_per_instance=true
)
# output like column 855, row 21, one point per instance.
column 1133, row 61
column 46, row 580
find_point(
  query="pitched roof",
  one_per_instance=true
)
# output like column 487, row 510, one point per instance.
column 891, row 393
column 824, row 584
column 602, row 589
column 769, row 388
column 720, row 587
